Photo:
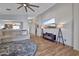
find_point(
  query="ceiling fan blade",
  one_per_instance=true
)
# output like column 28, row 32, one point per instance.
column 34, row 6
column 25, row 9
column 31, row 8
column 20, row 7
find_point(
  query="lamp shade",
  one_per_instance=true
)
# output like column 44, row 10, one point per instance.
column 43, row 27
column 60, row 25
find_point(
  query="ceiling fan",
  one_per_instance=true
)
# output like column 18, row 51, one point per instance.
column 26, row 6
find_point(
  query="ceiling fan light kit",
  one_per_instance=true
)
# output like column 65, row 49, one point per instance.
column 24, row 5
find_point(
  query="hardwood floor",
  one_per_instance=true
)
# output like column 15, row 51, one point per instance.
column 48, row 48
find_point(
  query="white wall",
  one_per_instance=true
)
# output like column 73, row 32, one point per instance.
column 62, row 13
column 76, row 26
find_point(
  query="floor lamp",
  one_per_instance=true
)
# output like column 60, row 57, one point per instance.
column 60, row 35
column 42, row 29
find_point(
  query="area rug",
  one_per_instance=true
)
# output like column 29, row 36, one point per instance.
column 18, row 48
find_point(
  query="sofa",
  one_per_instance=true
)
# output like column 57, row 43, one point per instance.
column 49, row 36
column 9, row 35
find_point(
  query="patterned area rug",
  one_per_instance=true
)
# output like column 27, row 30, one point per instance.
column 18, row 48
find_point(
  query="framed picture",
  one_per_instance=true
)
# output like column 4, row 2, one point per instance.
column 53, row 25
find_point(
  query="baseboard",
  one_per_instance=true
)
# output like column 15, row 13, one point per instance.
column 76, row 49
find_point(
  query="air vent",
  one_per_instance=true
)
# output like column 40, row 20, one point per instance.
column 8, row 9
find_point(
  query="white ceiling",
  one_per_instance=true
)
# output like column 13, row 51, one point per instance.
column 13, row 6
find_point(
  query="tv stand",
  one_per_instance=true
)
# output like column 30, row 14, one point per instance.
column 49, row 36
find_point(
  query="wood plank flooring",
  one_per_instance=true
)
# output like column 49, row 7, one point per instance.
column 48, row 48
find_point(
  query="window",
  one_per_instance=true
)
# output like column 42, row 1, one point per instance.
column 16, row 26
column 1, row 26
column 11, row 25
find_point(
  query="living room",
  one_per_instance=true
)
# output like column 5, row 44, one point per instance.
column 18, row 20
